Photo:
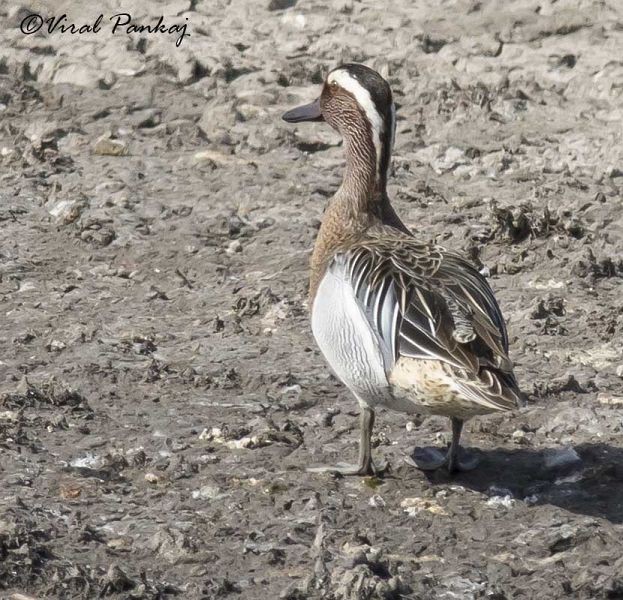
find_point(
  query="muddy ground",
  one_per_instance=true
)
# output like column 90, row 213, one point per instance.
column 161, row 393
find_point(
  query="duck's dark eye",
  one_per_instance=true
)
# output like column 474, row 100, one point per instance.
column 334, row 84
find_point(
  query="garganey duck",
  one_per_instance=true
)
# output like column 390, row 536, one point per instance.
column 405, row 324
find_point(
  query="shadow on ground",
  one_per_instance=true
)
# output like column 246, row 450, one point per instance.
column 585, row 479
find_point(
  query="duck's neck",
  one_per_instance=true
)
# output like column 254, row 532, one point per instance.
column 360, row 202
column 360, row 183
column 363, row 192
column 362, row 198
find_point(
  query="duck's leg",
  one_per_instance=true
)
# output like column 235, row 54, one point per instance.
column 431, row 459
column 365, row 465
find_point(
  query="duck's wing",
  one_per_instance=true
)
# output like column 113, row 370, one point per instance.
column 425, row 303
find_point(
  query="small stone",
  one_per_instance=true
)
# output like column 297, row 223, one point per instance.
column 413, row 506
column 119, row 544
column 245, row 442
column 501, row 501
column 151, row 478
column 214, row 434
column 217, row 158
column 565, row 537
column 27, row 286
column 68, row 210
column 101, row 237
column 233, row 247
column 55, row 346
column 519, row 436
column 109, row 187
column 82, row 75
column 108, row 147
column 9, row 415
column 207, row 492
column 376, row 501
column 609, row 400
column 449, row 160
column 208, row 459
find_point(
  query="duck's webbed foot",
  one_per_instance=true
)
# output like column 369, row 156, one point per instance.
column 455, row 459
column 350, row 469
column 365, row 465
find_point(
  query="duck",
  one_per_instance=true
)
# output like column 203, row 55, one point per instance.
column 404, row 323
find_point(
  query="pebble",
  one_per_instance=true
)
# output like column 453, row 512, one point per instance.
column 376, row 501
column 90, row 461
column 414, row 506
column 208, row 459
column 207, row 492
column 233, row 247
column 119, row 544
column 82, row 75
column 9, row 415
column 108, row 147
column 519, row 436
column 56, row 346
column 610, row 400
column 109, row 187
column 214, row 434
column 151, row 478
column 245, row 442
column 27, row 286
column 68, row 210
column 501, row 501
column 218, row 158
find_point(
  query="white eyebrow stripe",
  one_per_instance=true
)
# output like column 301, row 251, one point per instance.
column 344, row 79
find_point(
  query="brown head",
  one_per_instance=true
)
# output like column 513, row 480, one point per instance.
column 358, row 103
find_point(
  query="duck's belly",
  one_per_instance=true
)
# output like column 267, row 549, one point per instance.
column 433, row 388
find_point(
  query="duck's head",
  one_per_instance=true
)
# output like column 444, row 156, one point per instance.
column 358, row 103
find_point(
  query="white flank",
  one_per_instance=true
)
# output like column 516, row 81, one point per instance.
column 344, row 79
column 345, row 337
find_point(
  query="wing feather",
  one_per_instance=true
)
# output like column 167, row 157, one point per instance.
column 426, row 303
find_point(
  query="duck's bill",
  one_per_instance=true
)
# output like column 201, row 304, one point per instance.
column 307, row 112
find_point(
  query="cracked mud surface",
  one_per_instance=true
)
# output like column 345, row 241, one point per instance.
column 160, row 390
